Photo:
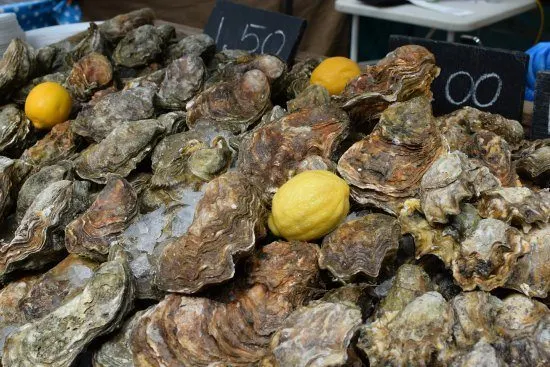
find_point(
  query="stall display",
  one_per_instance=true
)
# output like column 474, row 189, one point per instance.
column 221, row 208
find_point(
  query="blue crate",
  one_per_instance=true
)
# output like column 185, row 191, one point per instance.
column 43, row 13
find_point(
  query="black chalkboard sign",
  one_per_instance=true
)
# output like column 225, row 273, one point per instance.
column 540, row 126
column 489, row 79
column 235, row 26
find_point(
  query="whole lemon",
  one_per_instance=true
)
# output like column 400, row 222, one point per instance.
column 47, row 105
column 309, row 205
column 334, row 73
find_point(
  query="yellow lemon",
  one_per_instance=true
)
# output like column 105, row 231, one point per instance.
column 309, row 205
column 47, row 105
column 334, row 73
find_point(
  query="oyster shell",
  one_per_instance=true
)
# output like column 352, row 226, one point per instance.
column 272, row 153
column 20, row 95
column 517, row 206
column 183, row 79
column 37, row 239
column 450, row 180
column 403, row 74
column 114, row 109
column 90, row 73
column 313, row 95
column 318, row 334
column 534, row 162
column 235, row 328
column 17, row 67
column 194, row 45
column 297, row 79
column 483, row 354
column 14, row 131
column 139, row 47
column 92, row 42
column 273, row 68
column 92, row 233
column 120, row 152
column 116, row 28
column 416, row 335
column 228, row 220
column 315, row 162
column 386, row 167
column 58, row 338
column 486, row 258
column 361, row 246
column 7, row 185
column 233, row 105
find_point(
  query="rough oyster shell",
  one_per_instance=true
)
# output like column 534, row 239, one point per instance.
column 14, row 131
column 139, row 47
column 360, row 246
column 17, row 67
column 386, row 167
column 403, row 74
column 58, row 338
column 228, row 220
column 517, row 206
column 318, row 334
column 273, row 68
column 92, row 233
column 233, row 105
column 92, row 42
column 120, row 152
column 534, row 162
column 482, row 354
column 297, row 79
column 37, row 240
column 315, row 162
column 272, row 153
column 7, row 185
column 92, row 72
column 20, row 95
column 113, row 110
column 196, row 44
column 486, row 258
column 412, row 336
column 116, row 28
column 184, row 77
column 313, row 95
column 235, row 329
column 450, row 180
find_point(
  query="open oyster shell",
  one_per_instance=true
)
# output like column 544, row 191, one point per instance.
column 113, row 110
column 228, row 220
column 89, row 74
column 14, row 131
column 183, row 79
column 7, row 185
column 120, row 152
column 194, row 45
column 236, row 328
column 17, row 67
column 116, row 28
column 360, row 246
column 139, row 47
column 486, row 258
column 232, row 105
column 386, row 167
column 92, row 233
column 403, row 74
column 517, row 206
column 58, row 338
column 272, row 153
column 318, row 334
column 38, row 240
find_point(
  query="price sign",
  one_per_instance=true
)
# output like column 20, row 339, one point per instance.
column 540, row 126
column 491, row 80
column 235, row 26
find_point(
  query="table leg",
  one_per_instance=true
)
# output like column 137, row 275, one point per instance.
column 450, row 36
column 354, row 46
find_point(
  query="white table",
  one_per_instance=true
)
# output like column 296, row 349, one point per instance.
column 484, row 14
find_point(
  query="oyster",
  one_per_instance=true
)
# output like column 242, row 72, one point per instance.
column 90, row 73
column 183, row 79
column 39, row 181
column 534, row 162
column 482, row 354
column 315, row 162
column 361, row 246
column 486, row 258
column 318, row 334
column 297, row 79
column 314, row 95
column 403, row 74
column 228, row 220
column 92, row 233
column 37, row 240
column 116, row 28
column 450, row 180
column 139, row 47
column 60, row 143
column 273, row 68
column 120, row 152
column 113, row 110
column 58, row 338
column 17, row 67
column 194, row 45
column 58, row 285
column 233, row 105
column 517, row 206
column 7, row 185
column 386, row 167
column 20, row 95
column 14, row 130
column 235, row 328
column 92, row 42
column 272, row 153
column 417, row 335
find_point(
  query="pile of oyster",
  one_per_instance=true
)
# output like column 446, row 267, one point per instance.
column 135, row 234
